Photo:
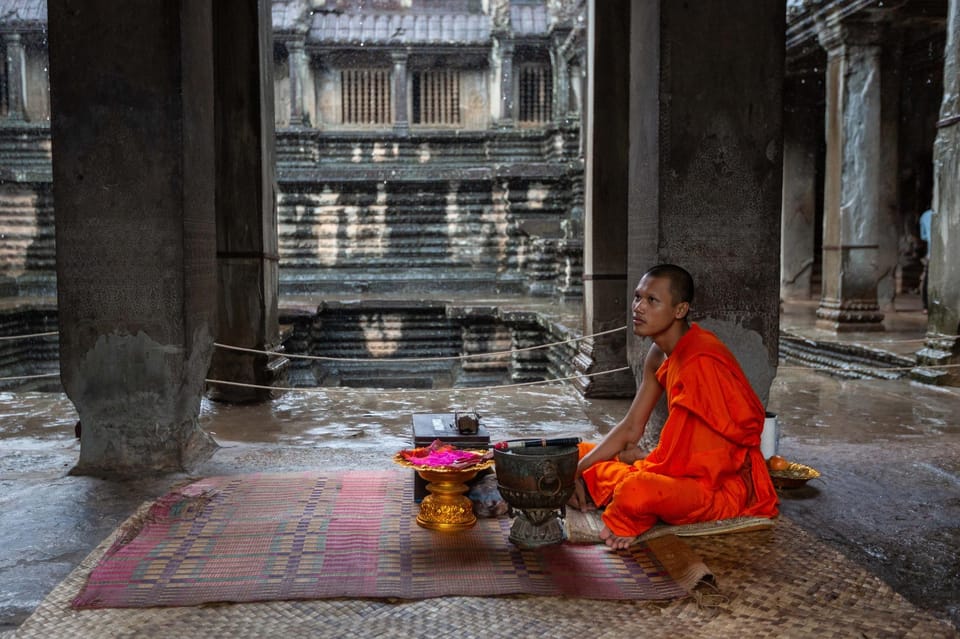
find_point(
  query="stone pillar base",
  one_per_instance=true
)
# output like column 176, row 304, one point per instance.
column 121, row 451
column 848, row 317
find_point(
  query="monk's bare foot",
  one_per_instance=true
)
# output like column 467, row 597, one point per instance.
column 615, row 542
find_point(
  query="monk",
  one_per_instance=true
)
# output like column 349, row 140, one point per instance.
column 707, row 464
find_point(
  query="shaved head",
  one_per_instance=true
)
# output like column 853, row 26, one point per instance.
column 681, row 282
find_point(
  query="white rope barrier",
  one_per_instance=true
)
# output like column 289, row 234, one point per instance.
column 336, row 389
column 861, row 369
column 544, row 381
column 863, row 342
column 4, row 338
column 416, row 359
column 871, row 368
column 20, row 377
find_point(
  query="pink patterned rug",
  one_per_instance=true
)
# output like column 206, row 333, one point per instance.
column 315, row 535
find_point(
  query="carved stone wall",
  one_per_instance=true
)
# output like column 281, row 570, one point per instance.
column 481, row 212
column 27, row 249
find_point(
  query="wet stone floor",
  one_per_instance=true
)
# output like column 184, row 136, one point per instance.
column 888, row 451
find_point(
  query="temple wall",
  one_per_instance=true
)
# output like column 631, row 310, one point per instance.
column 27, row 247
column 476, row 204
column 435, row 211
column 487, row 211
column 323, row 104
column 490, row 211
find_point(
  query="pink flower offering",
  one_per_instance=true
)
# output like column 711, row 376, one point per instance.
column 439, row 454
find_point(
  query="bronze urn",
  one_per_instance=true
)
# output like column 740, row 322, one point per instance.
column 536, row 483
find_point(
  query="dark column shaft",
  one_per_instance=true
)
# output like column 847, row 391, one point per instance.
column 706, row 165
column 247, row 247
column 133, row 182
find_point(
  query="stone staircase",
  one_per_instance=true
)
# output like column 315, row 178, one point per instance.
column 368, row 343
column 437, row 211
column 843, row 359
column 30, row 356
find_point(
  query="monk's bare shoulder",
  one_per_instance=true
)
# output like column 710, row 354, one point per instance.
column 655, row 357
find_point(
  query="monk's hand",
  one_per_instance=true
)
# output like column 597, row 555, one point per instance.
column 579, row 499
column 630, row 455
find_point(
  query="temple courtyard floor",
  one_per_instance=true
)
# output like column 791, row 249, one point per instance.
column 887, row 500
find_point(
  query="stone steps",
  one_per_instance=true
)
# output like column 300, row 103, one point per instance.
column 489, row 206
column 376, row 332
column 297, row 147
column 843, row 359
column 25, row 153
column 27, row 242
column 31, row 356
column 401, row 278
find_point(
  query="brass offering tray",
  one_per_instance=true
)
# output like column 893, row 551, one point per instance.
column 446, row 508
column 793, row 476
column 475, row 467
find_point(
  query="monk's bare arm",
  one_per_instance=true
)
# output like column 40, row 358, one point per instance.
column 629, row 430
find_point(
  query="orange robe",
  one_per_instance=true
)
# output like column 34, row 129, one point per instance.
column 707, row 464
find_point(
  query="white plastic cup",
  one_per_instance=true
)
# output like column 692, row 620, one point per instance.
column 770, row 437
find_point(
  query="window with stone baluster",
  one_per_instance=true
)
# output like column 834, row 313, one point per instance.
column 534, row 93
column 365, row 97
column 435, row 98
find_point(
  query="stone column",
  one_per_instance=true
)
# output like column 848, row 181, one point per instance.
column 401, row 121
column 501, row 54
column 506, row 83
column 942, row 347
column 561, row 77
column 133, row 181
column 802, row 131
column 16, row 76
column 562, row 20
column 297, row 63
column 705, row 166
column 852, row 181
column 247, row 245
column 605, row 247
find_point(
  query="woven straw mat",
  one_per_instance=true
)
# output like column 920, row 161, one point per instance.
column 780, row 583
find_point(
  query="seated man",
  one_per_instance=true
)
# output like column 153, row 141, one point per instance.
column 707, row 464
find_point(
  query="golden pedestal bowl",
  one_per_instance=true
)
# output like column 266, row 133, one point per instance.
column 446, row 508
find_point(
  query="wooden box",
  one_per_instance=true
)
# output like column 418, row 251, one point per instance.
column 428, row 427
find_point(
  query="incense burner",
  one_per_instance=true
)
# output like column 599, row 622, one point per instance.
column 536, row 483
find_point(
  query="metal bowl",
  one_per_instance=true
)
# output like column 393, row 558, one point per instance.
column 793, row 476
column 538, row 477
